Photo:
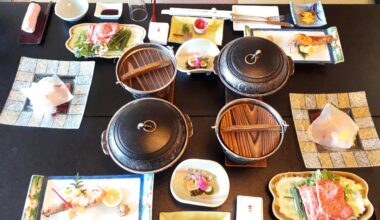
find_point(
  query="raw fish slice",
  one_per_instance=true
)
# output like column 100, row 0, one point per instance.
column 331, row 200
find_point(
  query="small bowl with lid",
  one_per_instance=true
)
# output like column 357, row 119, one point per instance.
column 249, row 130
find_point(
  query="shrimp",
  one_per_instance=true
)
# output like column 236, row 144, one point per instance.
column 304, row 40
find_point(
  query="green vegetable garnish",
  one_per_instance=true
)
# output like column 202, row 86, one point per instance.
column 319, row 175
column 303, row 54
column 298, row 202
column 119, row 41
column 185, row 28
column 82, row 48
column 78, row 184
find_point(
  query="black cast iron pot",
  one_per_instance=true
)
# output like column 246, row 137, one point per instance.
column 147, row 135
column 253, row 67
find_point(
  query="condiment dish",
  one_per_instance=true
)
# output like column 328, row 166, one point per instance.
column 71, row 10
column 315, row 9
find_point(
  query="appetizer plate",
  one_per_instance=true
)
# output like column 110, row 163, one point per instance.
column 327, row 53
column 137, row 193
column 192, row 215
column 213, row 33
column 276, row 208
column 137, row 37
column 221, row 186
column 365, row 152
column 100, row 7
column 316, row 8
column 198, row 47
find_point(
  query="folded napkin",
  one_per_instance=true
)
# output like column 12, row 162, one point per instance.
column 333, row 128
column 30, row 19
column 264, row 11
column 47, row 94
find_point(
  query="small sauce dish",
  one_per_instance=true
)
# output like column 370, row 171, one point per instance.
column 200, row 25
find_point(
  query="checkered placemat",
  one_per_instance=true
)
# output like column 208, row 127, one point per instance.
column 17, row 109
column 366, row 150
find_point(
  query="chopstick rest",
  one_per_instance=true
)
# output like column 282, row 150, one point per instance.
column 30, row 19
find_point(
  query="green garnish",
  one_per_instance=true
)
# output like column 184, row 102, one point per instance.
column 319, row 175
column 119, row 41
column 303, row 54
column 298, row 202
column 82, row 48
column 185, row 28
column 78, row 184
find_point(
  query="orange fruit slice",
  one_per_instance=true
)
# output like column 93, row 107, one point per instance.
column 113, row 197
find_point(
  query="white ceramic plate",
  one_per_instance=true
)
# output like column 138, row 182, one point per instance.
column 137, row 37
column 137, row 191
column 328, row 53
column 221, row 188
column 202, row 47
column 104, row 6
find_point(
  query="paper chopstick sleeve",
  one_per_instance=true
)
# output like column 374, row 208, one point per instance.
column 30, row 19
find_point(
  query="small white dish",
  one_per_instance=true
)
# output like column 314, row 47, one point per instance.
column 71, row 10
column 221, row 184
column 201, row 47
column 102, row 8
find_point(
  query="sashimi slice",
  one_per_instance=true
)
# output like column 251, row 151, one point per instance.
column 311, row 204
column 331, row 200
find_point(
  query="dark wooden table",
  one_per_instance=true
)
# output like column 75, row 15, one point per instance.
column 27, row 151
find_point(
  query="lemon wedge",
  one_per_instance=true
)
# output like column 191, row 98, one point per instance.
column 113, row 197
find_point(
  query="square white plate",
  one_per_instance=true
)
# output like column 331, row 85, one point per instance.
column 105, row 6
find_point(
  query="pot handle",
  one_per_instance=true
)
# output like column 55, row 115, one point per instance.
column 189, row 125
column 104, row 143
column 285, row 125
column 291, row 66
column 215, row 64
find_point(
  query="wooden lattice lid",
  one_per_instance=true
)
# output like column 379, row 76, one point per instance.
column 250, row 130
column 146, row 67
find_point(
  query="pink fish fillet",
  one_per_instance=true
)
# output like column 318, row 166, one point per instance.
column 311, row 203
column 331, row 200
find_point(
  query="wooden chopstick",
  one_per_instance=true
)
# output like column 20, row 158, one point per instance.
column 248, row 128
column 132, row 72
column 281, row 23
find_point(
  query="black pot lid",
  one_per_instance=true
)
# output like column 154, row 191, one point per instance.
column 255, row 60
column 147, row 134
